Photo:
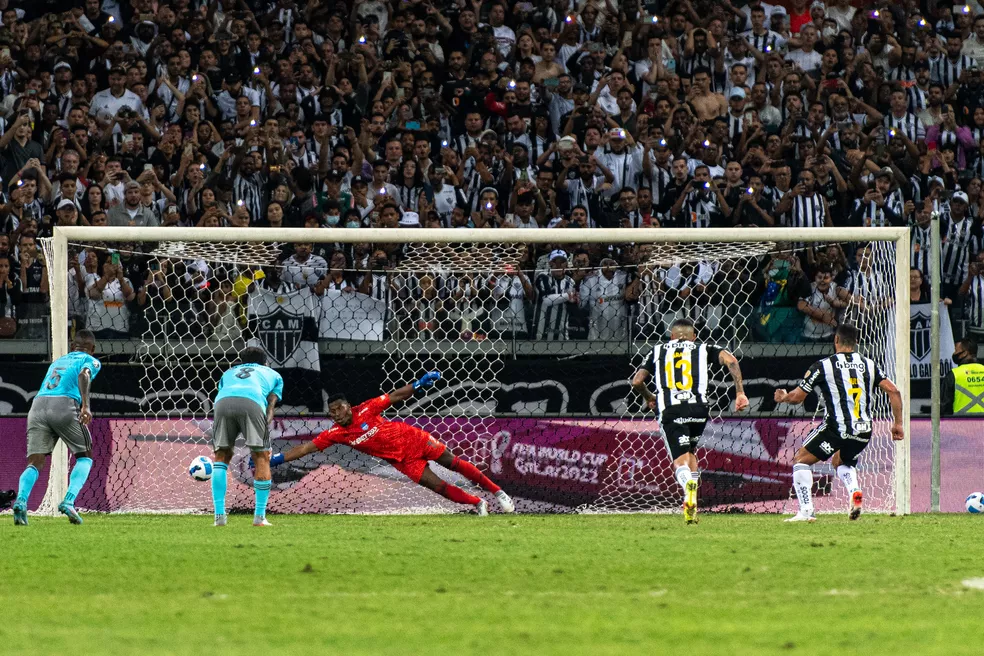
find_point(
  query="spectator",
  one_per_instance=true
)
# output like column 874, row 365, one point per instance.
column 302, row 269
column 10, row 298
column 109, row 291
column 604, row 295
column 555, row 290
column 131, row 212
column 821, row 307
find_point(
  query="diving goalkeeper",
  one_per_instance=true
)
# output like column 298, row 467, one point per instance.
column 407, row 448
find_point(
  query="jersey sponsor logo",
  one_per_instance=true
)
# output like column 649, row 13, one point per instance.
column 280, row 332
column 688, row 420
column 365, row 436
column 683, row 396
column 365, row 426
column 859, row 366
column 826, row 448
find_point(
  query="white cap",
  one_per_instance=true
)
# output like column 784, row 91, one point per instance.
column 410, row 219
column 961, row 196
column 557, row 254
column 66, row 203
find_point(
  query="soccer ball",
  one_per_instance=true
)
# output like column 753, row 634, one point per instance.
column 200, row 469
column 975, row 503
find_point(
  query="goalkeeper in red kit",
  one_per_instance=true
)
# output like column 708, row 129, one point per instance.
column 407, row 448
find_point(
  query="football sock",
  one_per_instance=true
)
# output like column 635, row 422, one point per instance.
column 262, row 489
column 219, row 472
column 682, row 475
column 803, row 484
column 80, row 472
column 471, row 472
column 27, row 481
column 456, row 494
column 849, row 477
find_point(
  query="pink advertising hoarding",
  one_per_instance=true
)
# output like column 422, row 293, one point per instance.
column 549, row 465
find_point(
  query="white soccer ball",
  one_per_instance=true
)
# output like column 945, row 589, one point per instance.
column 975, row 503
column 200, row 469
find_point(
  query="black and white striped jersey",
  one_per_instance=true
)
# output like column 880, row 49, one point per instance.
column 960, row 242
column 681, row 371
column 909, row 124
column 806, row 212
column 945, row 71
column 975, row 304
column 846, row 382
column 553, row 296
column 920, row 243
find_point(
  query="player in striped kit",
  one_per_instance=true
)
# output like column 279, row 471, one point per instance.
column 846, row 381
column 681, row 373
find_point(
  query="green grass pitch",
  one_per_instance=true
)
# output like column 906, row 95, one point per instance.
column 629, row 584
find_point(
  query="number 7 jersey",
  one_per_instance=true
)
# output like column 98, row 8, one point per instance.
column 680, row 371
column 846, row 383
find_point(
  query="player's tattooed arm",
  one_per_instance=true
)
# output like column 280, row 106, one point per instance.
column 731, row 362
column 639, row 387
column 895, row 398
column 85, row 416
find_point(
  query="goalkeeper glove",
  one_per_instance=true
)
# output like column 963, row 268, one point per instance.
column 427, row 380
column 275, row 459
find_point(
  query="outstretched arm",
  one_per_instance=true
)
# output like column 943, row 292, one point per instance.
column 731, row 362
column 895, row 398
column 293, row 454
column 85, row 416
column 639, row 387
column 405, row 392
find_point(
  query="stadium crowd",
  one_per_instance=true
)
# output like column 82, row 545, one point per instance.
column 558, row 115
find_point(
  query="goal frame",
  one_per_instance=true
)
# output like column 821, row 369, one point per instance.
column 58, row 471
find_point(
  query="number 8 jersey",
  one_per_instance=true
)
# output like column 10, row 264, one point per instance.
column 250, row 381
column 680, row 371
column 845, row 382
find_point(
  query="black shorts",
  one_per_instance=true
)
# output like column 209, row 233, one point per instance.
column 682, row 426
column 826, row 440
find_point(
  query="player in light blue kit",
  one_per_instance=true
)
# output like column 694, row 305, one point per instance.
column 61, row 411
column 248, row 394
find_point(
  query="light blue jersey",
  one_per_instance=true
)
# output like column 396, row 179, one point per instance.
column 251, row 381
column 62, row 378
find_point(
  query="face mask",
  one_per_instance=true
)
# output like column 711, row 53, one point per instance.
column 352, row 224
column 332, row 220
column 829, row 32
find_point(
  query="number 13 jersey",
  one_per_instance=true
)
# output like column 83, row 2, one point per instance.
column 680, row 371
column 845, row 382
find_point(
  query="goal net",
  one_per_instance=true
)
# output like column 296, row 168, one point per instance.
column 536, row 343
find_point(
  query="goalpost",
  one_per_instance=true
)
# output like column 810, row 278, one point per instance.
column 610, row 458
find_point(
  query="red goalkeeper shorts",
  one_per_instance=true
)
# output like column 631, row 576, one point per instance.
column 418, row 448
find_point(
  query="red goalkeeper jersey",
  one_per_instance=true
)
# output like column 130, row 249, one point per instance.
column 370, row 433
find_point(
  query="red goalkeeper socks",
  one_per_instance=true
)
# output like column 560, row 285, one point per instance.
column 471, row 472
column 456, row 494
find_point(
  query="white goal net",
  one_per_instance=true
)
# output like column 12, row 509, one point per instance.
column 535, row 343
